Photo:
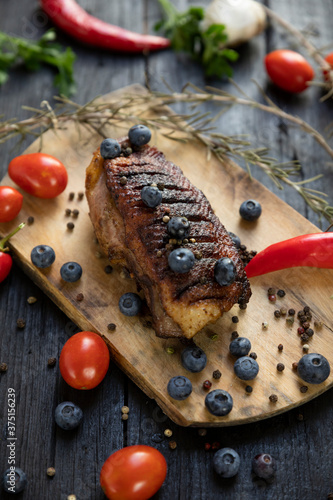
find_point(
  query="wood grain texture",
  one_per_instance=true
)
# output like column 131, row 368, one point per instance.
column 135, row 348
column 299, row 439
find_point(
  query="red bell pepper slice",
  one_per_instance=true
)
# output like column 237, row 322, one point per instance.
column 308, row 250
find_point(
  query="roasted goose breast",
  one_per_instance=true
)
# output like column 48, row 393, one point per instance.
column 132, row 234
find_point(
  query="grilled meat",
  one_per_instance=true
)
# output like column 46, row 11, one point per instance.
column 132, row 234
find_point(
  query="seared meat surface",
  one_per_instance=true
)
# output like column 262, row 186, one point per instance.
column 136, row 235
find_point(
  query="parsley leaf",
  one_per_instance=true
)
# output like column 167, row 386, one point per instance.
column 208, row 47
column 15, row 50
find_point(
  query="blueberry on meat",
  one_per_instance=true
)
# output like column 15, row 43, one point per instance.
column 14, row 482
column 193, row 359
column 151, row 196
column 181, row 260
column 264, row 466
column 71, row 272
column 67, row 415
column 139, row 135
column 235, row 239
column 178, row 228
column 240, row 347
column 226, row 462
column 42, row 256
column 110, row 148
column 313, row 368
column 246, row 368
column 250, row 210
column 130, row 304
column 225, row 271
column 179, row 388
column 219, row 402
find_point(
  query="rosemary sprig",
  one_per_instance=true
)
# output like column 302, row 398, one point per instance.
column 194, row 126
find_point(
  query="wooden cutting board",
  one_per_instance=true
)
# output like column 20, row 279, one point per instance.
column 134, row 346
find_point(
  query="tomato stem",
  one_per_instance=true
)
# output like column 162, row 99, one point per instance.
column 6, row 238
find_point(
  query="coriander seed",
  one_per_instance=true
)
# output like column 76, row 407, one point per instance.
column 3, row 367
column 50, row 471
column 168, row 433
column 172, row 445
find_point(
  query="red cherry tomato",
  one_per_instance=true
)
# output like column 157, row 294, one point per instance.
column 84, row 360
column 5, row 265
column 133, row 473
column 5, row 259
column 39, row 174
column 10, row 203
column 289, row 70
column 329, row 59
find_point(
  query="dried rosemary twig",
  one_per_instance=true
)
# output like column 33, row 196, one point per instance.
column 195, row 126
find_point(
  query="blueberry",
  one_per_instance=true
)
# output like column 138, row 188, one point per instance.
column 219, row 402
column 250, row 210
column 246, row 368
column 130, row 304
column 240, row 347
column 71, row 271
column 110, row 148
column 179, row 388
column 42, row 256
column 225, row 271
column 181, row 260
column 313, row 368
column 226, row 462
column 139, row 135
column 178, row 228
column 67, row 415
column 194, row 359
column 235, row 239
column 264, row 466
column 14, row 481
column 151, row 196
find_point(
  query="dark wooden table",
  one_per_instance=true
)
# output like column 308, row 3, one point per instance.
column 300, row 440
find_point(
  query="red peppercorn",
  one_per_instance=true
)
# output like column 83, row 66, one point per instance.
column 272, row 298
column 207, row 446
column 207, row 385
column 216, row 445
column 300, row 330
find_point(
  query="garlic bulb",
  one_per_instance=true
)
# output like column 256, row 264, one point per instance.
column 243, row 19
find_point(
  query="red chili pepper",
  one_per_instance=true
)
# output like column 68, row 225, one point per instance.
column 70, row 17
column 5, row 259
column 308, row 250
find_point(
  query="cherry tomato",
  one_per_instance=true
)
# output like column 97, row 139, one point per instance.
column 39, row 174
column 10, row 203
column 84, row 360
column 133, row 473
column 329, row 59
column 5, row 259
column 289, row 70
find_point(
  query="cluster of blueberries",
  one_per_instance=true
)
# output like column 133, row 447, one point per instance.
column 218, row 402
column 43, row 256
column 226, row 464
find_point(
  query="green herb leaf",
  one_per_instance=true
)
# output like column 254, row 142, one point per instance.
column 208, row 47
column 15, row 50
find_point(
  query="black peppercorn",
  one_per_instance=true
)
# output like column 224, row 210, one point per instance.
column 273, row 398
column 277, row 313
column 304, row 388
column 291, row 312
column 280, row 367
column 51, row 362
column 281, row 293
column 217, row 374
column 248, row 389
column 111, row 327
column 280, row 347
column 253, row 355
column 234, row 335
column 70, row 226
column 108, row 269
column 235, row 319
